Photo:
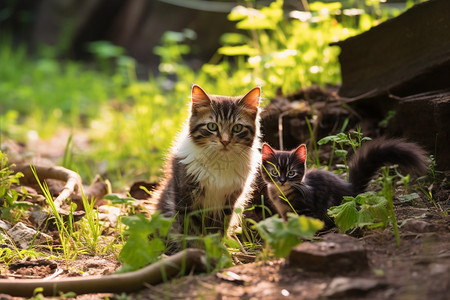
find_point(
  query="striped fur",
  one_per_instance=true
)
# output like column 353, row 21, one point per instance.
column 211, row 165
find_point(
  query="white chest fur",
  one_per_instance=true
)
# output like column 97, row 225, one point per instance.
column 219, row 173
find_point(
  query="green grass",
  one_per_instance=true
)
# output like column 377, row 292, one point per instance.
column 131, row 123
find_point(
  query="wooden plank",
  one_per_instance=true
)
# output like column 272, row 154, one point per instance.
column 404, row 55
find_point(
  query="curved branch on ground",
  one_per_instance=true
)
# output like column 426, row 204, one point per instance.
column 72, row 180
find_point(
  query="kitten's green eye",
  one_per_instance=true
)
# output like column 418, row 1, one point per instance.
column 212, row 126
column 274, row 172
column 291, row 173
column 237, row 128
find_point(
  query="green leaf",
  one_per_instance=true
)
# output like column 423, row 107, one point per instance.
column 145, row 241
column 115, row 199
column 238, row 50
column 342, row 153
column 326, row 140
column 345, row 215
column 282, row 236
column 233, row 39
column 320, row 6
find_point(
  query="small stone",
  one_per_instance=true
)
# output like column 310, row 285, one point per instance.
column 344, row 286
column 4, row 225
column 334, row 255
column 419, row 226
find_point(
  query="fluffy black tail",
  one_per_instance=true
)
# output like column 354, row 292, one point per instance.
column 381, row 152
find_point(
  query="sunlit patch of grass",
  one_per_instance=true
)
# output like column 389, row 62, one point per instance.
column 131, row 123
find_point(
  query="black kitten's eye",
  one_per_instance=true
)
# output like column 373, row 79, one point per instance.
column 291, row 173
column 212, row 126
column 237, row 128
column 274, row 172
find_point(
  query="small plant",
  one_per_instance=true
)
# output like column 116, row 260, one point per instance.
column 217, row 253
column 388, row 192
column 146, row 241
column 353, row 139
column 10, row 208
column 67, row 244
column 371, row 209
column 281, row 236
column 89, row 228
column 367, row 209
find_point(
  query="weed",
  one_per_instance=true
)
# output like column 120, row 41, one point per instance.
column 281, row 236
column 371, row 209
column 90, row 227
column 11, row 209
column 146, row 241
column 353, row 139
column 367, row 209
column 67, row 244
column 388, row 192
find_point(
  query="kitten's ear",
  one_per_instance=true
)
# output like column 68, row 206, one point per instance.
column 199, row 96
column 267, row 151
column 252, row 98
column 301, row 152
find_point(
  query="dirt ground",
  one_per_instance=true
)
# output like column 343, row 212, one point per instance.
column 418, row 269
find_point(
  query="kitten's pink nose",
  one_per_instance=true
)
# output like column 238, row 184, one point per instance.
column 224, row 143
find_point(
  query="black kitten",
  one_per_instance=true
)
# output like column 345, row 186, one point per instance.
column 312, row 192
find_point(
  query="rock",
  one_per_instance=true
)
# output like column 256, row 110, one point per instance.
column 4, row 225
column 420, row 226
column 337, row 254
column 344, row 286
column 25, row 236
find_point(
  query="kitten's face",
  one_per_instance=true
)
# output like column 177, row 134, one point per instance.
column 285, row 167
column 224, row 123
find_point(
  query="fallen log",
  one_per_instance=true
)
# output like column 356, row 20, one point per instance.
column 406, row 55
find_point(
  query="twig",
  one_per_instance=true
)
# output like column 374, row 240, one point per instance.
column 71, row 178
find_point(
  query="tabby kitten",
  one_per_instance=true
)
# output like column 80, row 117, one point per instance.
column 312, row 192
column 211, row 162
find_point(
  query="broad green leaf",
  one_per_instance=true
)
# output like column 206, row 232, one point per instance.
column 282, row 236
column 345, row 215
column 145, row 241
